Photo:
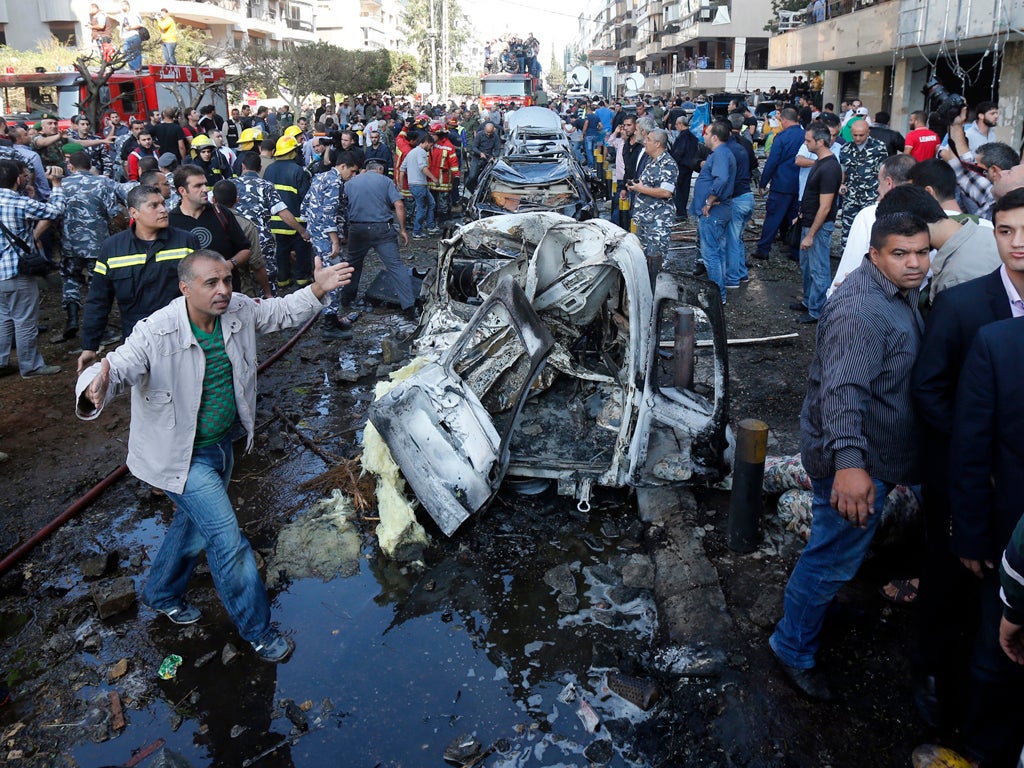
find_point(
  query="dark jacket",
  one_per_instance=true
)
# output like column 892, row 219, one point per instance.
column 780, row 172
column 292, row 183
column 684, row 151
column 893, row 140
column 489, row 145
column 142, row 276
column 987, row 458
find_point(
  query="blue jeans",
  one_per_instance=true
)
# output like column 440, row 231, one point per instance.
column 781, row 206
column 132, row 48
column 169, row 49
column 713, row 235
column 589, row 142
column 830, row 559
column 382, row 237
column 816, row 269
column 424, row 208
column 736, row 255
column 206, row 520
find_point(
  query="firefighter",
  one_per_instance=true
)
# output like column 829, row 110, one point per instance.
column 444, row 166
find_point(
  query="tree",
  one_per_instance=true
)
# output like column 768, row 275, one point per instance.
column 96, row 73
column 404, row 71
column 193, row 47
column 556, row 73
column 420, row 22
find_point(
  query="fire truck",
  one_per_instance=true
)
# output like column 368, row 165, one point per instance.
column 28, row 95
column 506, row 88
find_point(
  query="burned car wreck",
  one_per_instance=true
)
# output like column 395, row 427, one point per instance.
column 548, row 355
column 536, row 171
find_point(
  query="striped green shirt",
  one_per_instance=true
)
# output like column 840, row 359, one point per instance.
column 217, row 410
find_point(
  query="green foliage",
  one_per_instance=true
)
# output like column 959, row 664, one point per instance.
column 49, row 54
column 465, row 85
column 315, row 68
column 418, row 21
column 193, row 48
column 404, row 71
column 555, row 73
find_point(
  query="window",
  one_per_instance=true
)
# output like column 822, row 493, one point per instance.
column 64, row 31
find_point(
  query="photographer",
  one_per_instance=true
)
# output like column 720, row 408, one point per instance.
column 975, row 179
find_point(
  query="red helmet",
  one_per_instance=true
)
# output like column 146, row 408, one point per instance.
column 436, row 127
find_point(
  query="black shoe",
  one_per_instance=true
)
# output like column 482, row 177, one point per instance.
column 926, row 700
column 809, row 683
column 699, row 269
column 762, row 256
column 335, row 334
column 71, row 326
column 798, row 306
column 807, row 319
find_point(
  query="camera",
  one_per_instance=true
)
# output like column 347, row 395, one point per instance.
column 940, row 101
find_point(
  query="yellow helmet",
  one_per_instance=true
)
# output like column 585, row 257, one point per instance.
column 285, row 145
column 201, row 141
column 250, row 136
column 292, row 130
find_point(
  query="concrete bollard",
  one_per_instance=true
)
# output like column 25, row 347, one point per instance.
column 685, row 343
column 745, row 506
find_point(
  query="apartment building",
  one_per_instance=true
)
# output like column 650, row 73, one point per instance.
column 682, row 46
column 230, row 22
column 362, row 24
column 884, row 52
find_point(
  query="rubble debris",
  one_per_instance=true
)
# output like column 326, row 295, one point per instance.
column 688, row 661
column 295, row 714
column 568, row 603
column 322, row 543
column 116, row 711
column 205, row 659
column 112, row 597
column 561, row 579
column 165, row 758
column 237, row 730
column 568, row 694
column 587, row 715
column 143, row 753
column 228, row 654
column 599, row 752
column 642, row 693
column 100, row 565
column 638, row 572
column 117, row 671
column 169, row 666
column 462, row 750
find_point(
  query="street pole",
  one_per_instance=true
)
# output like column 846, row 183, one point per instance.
column 432, row 32
column 445, row 52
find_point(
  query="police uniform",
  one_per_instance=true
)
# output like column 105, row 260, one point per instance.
column 98, row 154
column 91, row 202
column 325, row 210
column 141, row 275
column 860, row 175
column 292, row 184
column 654, row 216
column 371, row 209
column 258, row 201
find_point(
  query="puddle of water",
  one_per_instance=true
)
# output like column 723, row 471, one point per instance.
column 406, row 664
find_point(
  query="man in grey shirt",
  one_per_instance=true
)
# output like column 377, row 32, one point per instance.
column 858, row 432
column 416, row 169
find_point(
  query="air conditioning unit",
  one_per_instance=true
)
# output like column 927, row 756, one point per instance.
column 706, row 14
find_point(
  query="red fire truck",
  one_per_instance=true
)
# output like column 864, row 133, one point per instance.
column 28, row 95
column 506, row 88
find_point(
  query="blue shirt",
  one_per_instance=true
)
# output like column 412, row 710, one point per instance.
column 779, row 170
column 742, row 184
column 717, row 177
column 606, row 116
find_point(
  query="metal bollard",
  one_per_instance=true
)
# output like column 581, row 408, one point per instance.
column 685, row 343
column 745, row 506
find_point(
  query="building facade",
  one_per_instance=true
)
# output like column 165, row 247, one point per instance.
column 885, row 52
column 681, row 46
column 362, row 24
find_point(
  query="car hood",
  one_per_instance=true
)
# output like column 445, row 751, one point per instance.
column 532, row 171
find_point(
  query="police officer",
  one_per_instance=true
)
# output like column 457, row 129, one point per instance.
column 654, row 211
column 325, row 211
column 259, row 202
column 92, row 201
column 376, row 219
column 292, row 183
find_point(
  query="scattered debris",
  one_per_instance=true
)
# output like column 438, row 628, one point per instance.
column 116, row 711
column 205, row 659
column 600, row 752
column 295, row 714
column 169, row 666
column 587, row 715
column 568, row 694
column 638, row 572
column 561, row 579
column 643, row 693
column 228, row 654
column 462, row 750
column 98, row 566
column 119, row 670
column 112, row 597
column 321, row 543
column 237, row 730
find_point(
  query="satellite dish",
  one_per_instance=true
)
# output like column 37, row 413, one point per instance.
column 634, row 83
column 579, row 77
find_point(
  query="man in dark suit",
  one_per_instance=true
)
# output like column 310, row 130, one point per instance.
column 781, row 177
column 947, row 589
column 987, row 471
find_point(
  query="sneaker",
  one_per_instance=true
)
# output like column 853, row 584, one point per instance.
column 732, row 287
column 798, row 306
column 745, row 279
column 433, row 230
column 182, row 614
column 418, row 236
column 807, row 319
column 46, row 370
column 335, row 334
column 275, row 650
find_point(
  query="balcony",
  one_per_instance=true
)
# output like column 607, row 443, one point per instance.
column 628, row 51
column 867, row 35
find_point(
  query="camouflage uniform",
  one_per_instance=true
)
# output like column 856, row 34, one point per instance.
column 325, row 210
column 860, row 175
column 91, row 202
column 654, row 216
column 101, row 158
column 258, row 201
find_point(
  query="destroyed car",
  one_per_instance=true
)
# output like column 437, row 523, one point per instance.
column 549, row 356
column 536, row 171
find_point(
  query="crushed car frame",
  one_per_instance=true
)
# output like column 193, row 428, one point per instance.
column 551, row 357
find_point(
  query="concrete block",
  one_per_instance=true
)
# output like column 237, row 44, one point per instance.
column 113, row 596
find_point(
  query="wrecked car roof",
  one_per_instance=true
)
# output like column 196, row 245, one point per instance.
column 533, row 119
column 531, row 171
